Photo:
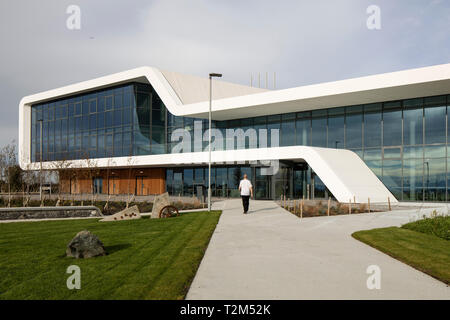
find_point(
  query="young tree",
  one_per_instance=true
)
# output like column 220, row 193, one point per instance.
column 130, row 163
column 49, row 177
column 8, row 162
column 110, row 164
column 30, row 179
column 91, row 170
column 60, row 168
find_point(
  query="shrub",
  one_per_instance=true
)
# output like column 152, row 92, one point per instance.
column 436, row 225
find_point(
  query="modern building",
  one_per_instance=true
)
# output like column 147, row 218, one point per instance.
column 144, row 130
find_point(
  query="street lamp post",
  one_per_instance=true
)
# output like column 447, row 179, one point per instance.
column 211, row 75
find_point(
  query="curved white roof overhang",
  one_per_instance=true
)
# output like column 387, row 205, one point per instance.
column 428, row 81
column 342, row 171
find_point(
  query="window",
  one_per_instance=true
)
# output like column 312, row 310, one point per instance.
column 413, row 126
column 435, row 151
column 93, row 122
column 392, row 153
column 372, row 154
column 78, row 109
column 303, row 131
column 413, row 152
column 117, row 144
column 434, row 179
column 288, row 133
column 117, row 117
column 158, row 140
column 273, row 133
column 392, row 128
column 319, row 128
column 336, row 132
column 392, row 176
column 435, row 125
column 101, row 102
column 100, row 120
column 109, row 119
column 412, row 179
column 372, row 125
column 188, row 178
column 108, row 102
column 93, row 106
column 353, row 136
column 97, row 185
column 118, row 101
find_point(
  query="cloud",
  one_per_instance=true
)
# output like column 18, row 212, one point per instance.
column 303, row 41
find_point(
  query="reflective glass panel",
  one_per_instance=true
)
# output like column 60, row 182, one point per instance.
column 392, row 128
column 413, row 126
column 435, row 127
column 336, row 132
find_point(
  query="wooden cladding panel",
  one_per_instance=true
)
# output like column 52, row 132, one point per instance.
column 144, row 181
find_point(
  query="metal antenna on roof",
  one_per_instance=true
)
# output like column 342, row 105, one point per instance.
column 267, row 80
column 274, row 80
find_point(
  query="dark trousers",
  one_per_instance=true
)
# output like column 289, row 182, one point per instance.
column 245, row 200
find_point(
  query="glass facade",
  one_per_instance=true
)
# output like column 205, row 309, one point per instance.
column 403, row 142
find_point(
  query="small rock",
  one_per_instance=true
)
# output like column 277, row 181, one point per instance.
column 85, row 245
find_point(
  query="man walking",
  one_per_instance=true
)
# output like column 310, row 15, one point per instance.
column 246, row 189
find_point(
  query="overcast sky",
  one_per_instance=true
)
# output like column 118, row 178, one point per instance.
column 304, row 42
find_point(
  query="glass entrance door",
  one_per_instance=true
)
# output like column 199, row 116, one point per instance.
column 299, row 183
column 282, row 183
column 262, row 185
column 97, row 184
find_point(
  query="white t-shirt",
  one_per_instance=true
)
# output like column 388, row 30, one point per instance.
column 245, row 186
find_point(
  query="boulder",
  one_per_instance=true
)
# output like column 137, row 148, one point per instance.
column 85, row 245
column 126, row 214
column 160, row 202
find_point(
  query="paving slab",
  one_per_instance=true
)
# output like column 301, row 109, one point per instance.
column 272, row 254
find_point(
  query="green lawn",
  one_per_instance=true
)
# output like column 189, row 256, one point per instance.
column 147, row 258
column 425, row 252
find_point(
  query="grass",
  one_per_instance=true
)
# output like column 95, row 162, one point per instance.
column 421, row 250
column 147, row 258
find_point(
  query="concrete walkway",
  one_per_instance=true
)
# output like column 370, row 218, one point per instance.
column 272, row 254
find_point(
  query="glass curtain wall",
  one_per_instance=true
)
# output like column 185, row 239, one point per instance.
column 403, row 142
column 224, row 180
